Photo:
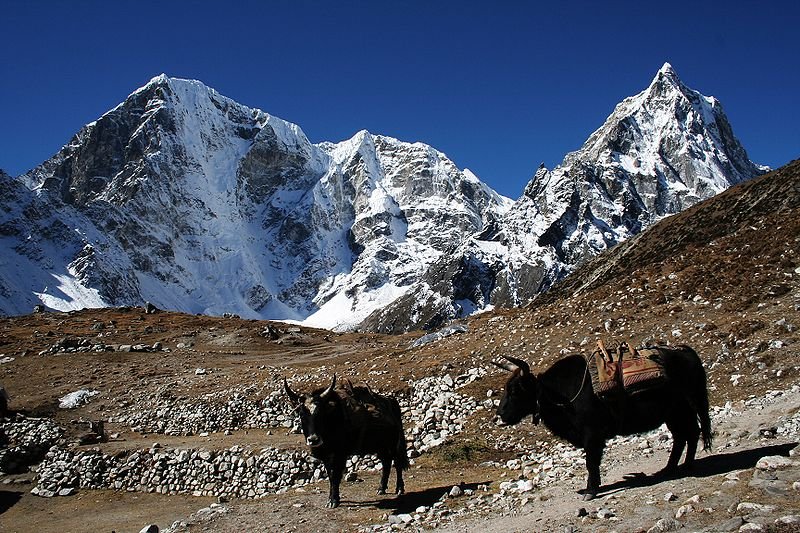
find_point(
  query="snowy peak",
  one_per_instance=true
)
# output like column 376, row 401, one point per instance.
column 672, row 131
column 666, row 76
column 182, row 197
column 170, row 134
column 666, row 69
column 659, row 152
column 185, row 198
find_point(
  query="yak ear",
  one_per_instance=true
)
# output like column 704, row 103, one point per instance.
column 329, row 390
column 523, row 366
column 293, row 397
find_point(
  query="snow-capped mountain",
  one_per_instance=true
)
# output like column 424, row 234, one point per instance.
column 659, row 152
column 184, row 198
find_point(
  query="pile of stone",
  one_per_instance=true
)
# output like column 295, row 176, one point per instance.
column 229, row 473
column 24, row 441
column 165, row 413
column 435, row 411
column 69, row 345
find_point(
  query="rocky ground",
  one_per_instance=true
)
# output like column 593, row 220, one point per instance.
column 123, row 418
column 198, row 436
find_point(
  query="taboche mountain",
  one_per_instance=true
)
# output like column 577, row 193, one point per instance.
column 184, row 198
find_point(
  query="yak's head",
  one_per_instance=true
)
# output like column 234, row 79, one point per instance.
column 318, row 411
column 520, row 397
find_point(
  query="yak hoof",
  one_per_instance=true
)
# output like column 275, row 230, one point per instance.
column 381, row 491
column 400, row 491
column 587, row 496
column 667, row 472
column 332, row 503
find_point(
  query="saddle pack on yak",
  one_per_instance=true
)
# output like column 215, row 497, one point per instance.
column 630, row 369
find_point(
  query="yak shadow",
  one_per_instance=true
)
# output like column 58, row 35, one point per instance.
column 712, row 465
column 8, row 499
column 408, row 502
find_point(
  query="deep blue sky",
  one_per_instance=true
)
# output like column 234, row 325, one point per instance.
column 498, row 86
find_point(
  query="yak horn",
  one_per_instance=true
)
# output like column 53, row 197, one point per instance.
column 329, row 389
column 502, row 366
column 523, row 366
column 290, row 393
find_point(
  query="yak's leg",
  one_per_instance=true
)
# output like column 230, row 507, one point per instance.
column 386, row 469
column 400, row 486
column 335, row 469
column 594, row 454
column 693, row 434
column 678, row 444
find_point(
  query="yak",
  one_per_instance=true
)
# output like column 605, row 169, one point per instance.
column 563, row 399
column 338, row 423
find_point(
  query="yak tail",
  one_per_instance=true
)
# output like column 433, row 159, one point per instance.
column 703, row 417
column 698, row 397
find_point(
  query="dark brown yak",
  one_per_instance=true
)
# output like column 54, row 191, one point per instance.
column 338, row 423
column 563, row 399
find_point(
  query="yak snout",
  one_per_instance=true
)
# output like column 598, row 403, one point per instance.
column 313, row 440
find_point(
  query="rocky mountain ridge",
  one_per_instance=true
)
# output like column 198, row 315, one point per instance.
column 184, row 198
column 658, row 153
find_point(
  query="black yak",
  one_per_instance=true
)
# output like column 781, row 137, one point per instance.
column 562, row 397
column 338, row 423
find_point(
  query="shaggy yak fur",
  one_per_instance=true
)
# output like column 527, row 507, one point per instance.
column 338, row 423
column 563, row 399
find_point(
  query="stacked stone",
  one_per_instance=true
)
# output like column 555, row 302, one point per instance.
column 83, row 345
column 28, row 440
column 165, row 413
column 436, row 411
column 234, row 472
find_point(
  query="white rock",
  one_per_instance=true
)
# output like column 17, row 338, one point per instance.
column 524, row 485
column 750, row 507
column 604, row 513
column 774, row 462
column 76, row 399
column 664, row 525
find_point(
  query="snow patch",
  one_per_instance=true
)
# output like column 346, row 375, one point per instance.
column 75, row 399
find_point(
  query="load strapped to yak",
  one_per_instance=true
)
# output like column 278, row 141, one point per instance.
column 629, row 369
column 366, row 409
